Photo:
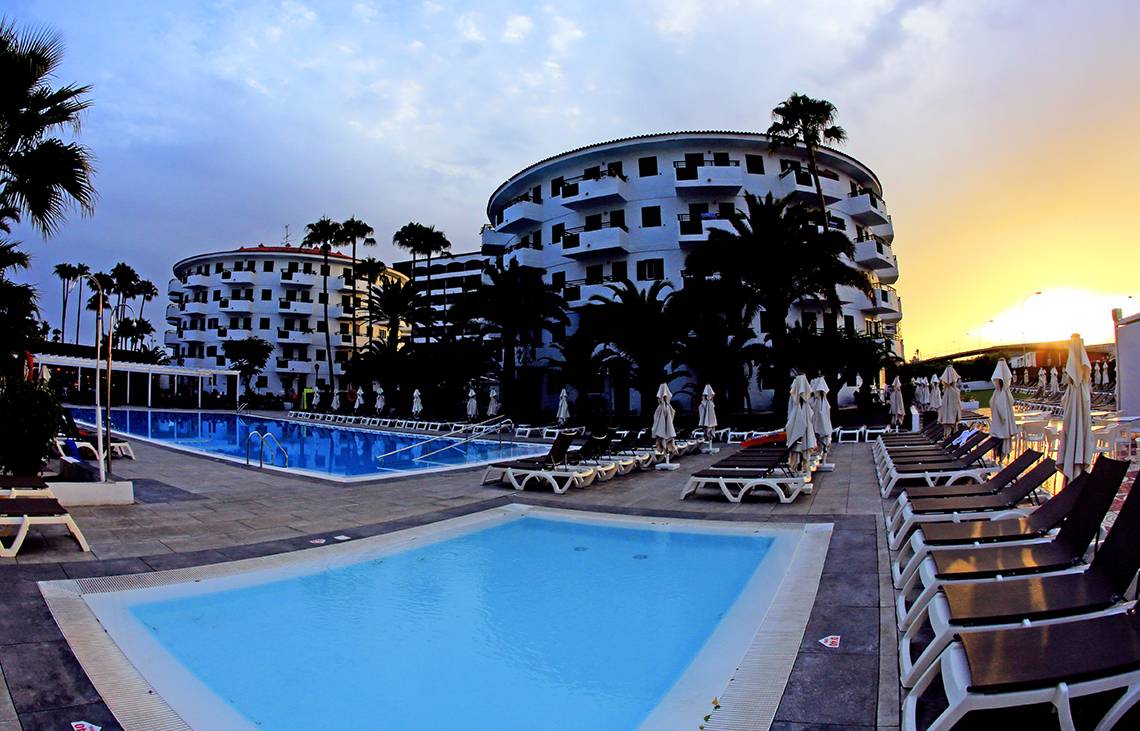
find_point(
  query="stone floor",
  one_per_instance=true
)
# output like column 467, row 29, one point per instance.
column 195, row 510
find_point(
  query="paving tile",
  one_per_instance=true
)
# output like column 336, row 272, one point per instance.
column 838, row 689
column 25, row 617
column 856, row 590
column 171, row 560
column 857, row 626
column 113, row 567
column 57, row 719
column 45, row 675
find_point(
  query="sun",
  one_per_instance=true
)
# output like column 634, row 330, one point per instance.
column 1054, row 314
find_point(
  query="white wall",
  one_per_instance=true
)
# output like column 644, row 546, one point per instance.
column 1128, row 364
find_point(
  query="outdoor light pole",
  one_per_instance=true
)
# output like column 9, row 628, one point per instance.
column 110, row 348
column 98, row 345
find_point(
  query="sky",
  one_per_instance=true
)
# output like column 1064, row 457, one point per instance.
column 1003, row 133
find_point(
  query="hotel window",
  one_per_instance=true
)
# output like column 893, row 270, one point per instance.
column 320, row 355
column 558, row 280
column 649, row 270
column 267, row 265
column 218, row 268
column 217, row 294
column 556, row 187
column 617, row 218
column 239, row 266
column 754, row 164
column 321, row 326
column 322, row 297
column 536, row 194
column 212, row 323
column 616, row 169
column 556, row 232
column 647, row 166
column 344, row 328
column 536, row 239
column 650, row 216
column 345, row 301
column 594, row 274
column 619, row 270
column 308, row 268
column 266, row 295
column 849, row 324
column 234, row 323
column 263, row 323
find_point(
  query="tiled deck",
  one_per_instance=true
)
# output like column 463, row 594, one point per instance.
column 195, row 510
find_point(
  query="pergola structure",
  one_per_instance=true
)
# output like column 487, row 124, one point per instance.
column 147, row 369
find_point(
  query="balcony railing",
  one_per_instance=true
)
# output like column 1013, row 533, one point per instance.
column 691, row 225
column 571, row 237
column 688, row 169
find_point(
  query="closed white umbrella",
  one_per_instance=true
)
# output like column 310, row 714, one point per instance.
column 1077, row 444
column 493, row 404
column 563, row 414
column 898, row 408
column 934, row 398
column 663, row 430
column 951, row 411
column 799, row 428
column 472, row 405
column 1102, row 375
column 1003, row 425
column 921, row 393
column 821, row 413
column 359, row 404
column 707, row 410
column 417, row 403
column 1042, row 378
column 379, row 400
column 1054, row 382
column 335, row 405
column 316, row 399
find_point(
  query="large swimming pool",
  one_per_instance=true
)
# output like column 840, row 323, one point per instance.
column 326, row 450
column 516, row 618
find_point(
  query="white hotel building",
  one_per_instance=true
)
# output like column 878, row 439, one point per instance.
column 270, row 292
column 635, row 207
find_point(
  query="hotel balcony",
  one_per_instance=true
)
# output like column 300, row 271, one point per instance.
column 578, row 292
column 198, row 281
column 888, row 275
column 233, row 305
column 295, row 307
column 799, row 184
column 299, row 278
column 175, row 286
column 300, row 337
column 526, row 257
column 493, row 241
column 195, row 308
column 236, row 277
column 521, row 215
column 886, row 232
column 865, row 207
column 886, row 304
column 580, row 243
column 173, row 312
column 875, row 253
column 285, row 365
column 236, row 333
column 171, row 338
column 710, row 177
column 583, row 193
column 193, row 336
column 695, row 230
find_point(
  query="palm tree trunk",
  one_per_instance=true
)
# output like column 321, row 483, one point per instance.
column 818, row 185
column 63, row 314
column 431, row 312
column 354, row 276
column 79, row 311
column 328, row 332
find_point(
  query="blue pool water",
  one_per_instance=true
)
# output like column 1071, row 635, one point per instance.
column 533, row 623
column 331, row 450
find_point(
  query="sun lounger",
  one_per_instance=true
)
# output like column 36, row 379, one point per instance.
column 849, row 434
column 1050, row 664
column 736, row 480
column 970, row 467
column 551, row 469
column 24, row 486
column 966, row 607
column 24, row 512
column 1064, row 552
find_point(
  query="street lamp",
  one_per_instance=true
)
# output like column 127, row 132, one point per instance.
column 1023, row 301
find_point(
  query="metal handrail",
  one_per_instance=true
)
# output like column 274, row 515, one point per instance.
column 262, row 438
column 473, row 436
column 451, row 433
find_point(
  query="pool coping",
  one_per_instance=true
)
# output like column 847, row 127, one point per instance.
column 310, row 474
column 750, row 699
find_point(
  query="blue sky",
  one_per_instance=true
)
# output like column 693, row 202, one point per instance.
column 215, row 124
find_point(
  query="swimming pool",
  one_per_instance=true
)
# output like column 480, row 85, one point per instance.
column 330, row 451
column 514, row 618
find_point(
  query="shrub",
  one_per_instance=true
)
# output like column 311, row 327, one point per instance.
column 30, row 415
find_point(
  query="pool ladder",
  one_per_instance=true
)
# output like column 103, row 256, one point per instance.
column 261, row 440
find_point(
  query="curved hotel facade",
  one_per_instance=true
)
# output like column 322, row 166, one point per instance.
column 270, row 292
column 635, row 207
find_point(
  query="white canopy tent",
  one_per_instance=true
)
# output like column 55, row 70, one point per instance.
column 147, row 370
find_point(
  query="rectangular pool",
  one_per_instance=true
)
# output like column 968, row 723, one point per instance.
column 515, row 618
column 332, row 451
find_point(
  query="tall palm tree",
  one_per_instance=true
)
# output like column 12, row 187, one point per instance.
column 352, row 231
column 581, row 364
column 516, row 304
column 107, row 283
column 422, row 240
column 778, row 257
column 640, row 330
column 324, row 235
column 394, row 302
column 81, row 272
column 369, row 269
column 40, row 175
column 18, row 326
column 799, row 119
column 125, row 280
column 67, row 274
column 146, row 292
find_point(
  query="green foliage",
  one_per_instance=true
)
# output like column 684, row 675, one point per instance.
column 247, row 356
column 30, row 416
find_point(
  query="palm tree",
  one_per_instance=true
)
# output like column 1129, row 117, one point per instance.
column 640, row 330
column 778, row 257
column 107, row 282
column 146, row 292
column 67, row 274
column 516, row 304
column 18, row 326
column 324, row 235
column 40, row 175
column 799, row 119
column 394, row 302
column 581, row 364
column 81, row 272
column 422, row 240
column 352, row 231
column 369, row 269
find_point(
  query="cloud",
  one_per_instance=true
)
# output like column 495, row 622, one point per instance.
column 469, row 28
column 517, row 28
column 432, row 8
column 416, row 46
column 365, row 11
column 297, row 13
column 565, row 32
